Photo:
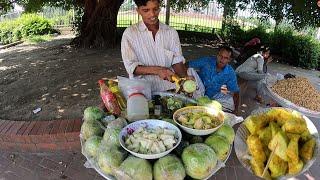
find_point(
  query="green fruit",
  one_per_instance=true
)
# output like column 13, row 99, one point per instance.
column 189, row 86
column 91, row 146
column 215, row 104
column 227, row 132
column 206, row 101
column 111, row 137
column 110, row 158
column 202, row 101
column 92, row 113
column 91, row 128
column 169, row 167
column 134, row 168
column 219, row 144
column 199, row 160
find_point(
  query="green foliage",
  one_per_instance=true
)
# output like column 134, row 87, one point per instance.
column 197, row 28
column 229, row 7
column 233, row 33
column 5, row 6
column 78, row 13
column 25, row 26
column 59, row 16
column 281, row 41
column 33, row 24
column 8, row 32
column 128, row 5
column 297, row 49
column 294, row 48
column 179, row 5
column 304, row 13
column 304, row 51
column 260, row 32
column 299, row 13
column 37, row 5
column 38, row 38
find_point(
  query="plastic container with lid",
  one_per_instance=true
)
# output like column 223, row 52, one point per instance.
column 137, row 107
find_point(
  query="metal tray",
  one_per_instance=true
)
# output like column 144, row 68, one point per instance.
column 286, row 103
column 230, row 119
column 241, row 147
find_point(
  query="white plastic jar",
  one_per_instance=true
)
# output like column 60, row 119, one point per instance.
column 137, row 107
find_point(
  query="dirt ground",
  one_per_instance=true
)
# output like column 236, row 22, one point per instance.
column 60, row 79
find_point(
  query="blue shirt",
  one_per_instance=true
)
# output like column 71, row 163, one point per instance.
column 213, row 80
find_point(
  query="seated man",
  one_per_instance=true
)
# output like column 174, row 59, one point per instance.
column 249, row 49
column 218, row 77
column 254, row 69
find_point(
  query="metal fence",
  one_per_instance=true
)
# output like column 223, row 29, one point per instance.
column 192, row 19
column 11, row 15
column 59, row 16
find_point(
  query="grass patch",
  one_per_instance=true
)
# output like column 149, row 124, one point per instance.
column 38, row 38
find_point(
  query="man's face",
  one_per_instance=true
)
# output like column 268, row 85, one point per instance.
column 266, row 55
column 150, row 12
column 223, row 58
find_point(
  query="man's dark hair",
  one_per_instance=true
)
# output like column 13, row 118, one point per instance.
column 264, row 48
column 226, row 48
column 143, row 2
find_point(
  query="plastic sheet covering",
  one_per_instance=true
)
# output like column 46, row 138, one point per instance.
column 270, row 81
column 169, row 167
column 230, row 119
column 110, row 158
column 92, row 163
column 199, row 160
column 241, row 147
column 134, row 168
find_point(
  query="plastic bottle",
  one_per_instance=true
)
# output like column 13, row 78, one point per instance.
column 109, row 99
column 137, row 107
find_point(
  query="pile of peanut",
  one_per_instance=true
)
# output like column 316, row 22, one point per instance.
column 299, row 91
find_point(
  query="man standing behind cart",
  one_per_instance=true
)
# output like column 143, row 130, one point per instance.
column 151, row 50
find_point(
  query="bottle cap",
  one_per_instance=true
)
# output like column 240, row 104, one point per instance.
column 134, row 94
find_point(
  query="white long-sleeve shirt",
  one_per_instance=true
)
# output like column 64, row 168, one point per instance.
column 253, row 64
column 139, row 48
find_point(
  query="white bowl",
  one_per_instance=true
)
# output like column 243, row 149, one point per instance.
column 150, row 124
column 199, row 132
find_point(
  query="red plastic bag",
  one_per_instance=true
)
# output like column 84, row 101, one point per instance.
column 109, row 99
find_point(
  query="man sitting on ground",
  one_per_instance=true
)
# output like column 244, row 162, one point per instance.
column 218, row 78
column 255, row 69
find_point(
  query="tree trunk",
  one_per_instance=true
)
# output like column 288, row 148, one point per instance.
column 229, row 9
column 278, row 14
column 167, row 12
column 225, row 17
column 99, row 24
